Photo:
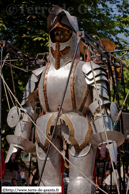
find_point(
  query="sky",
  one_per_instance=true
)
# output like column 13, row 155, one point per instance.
column 115, row 9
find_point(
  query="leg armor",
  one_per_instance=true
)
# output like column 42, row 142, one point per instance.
column 84, row 163
column 52, row 172
column 81, row 153
column 52, row 175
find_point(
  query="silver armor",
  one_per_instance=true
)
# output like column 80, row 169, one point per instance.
column 82, row 98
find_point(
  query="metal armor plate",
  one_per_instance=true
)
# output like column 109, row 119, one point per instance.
column 55, row 81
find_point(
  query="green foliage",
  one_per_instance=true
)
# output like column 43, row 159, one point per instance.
column 20, row 184
column 121, row 88
column 24, row 23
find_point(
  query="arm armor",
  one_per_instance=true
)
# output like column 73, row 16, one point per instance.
column 101, row 116
column 32, row 83
column 20, row 120
column 100, row 97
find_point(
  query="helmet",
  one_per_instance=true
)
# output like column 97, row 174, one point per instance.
column 63, row 30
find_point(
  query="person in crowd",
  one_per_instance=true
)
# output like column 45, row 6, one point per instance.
column 14, row 182
column 19, row 177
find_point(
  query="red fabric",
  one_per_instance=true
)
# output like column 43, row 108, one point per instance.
column 3, row 165
column 87, row 59
column 62, row 170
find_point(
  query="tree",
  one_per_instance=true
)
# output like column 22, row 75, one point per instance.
column 24, row 24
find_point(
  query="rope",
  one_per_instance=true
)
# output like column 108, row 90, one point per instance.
column 4, row 84
column 11, row 97
column 50, row 141
column 5, row 59
column 12, row 76
column 6, row 96
column 103, row 123
column 8, row 64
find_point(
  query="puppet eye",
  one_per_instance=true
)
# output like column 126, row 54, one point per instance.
column 57, row 33
column 68, row 32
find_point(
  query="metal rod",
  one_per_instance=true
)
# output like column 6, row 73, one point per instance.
column 30, row 157
column 115, row 51
column 104, row 50
column 33, row 132
column 78, row 40
column 110, row 181
column 115, row 81
column 0, row 113
column 119, row 50
column 11, row 60
column 100, row 52
column 123, row 55
column 96, row 42
column 122, row 79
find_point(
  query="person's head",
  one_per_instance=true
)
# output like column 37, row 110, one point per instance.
column 23, row 180
column 15, row 155
column 14, row 182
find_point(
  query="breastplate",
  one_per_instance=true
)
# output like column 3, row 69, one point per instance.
column 52, row 85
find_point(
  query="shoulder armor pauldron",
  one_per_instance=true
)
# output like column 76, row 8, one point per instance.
column 99, row 73
column 101, row 84
column 30, row 86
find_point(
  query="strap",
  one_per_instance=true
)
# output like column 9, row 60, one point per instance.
column 72, row 139
column 44, row 147
column 72, row 83
column 49, row 124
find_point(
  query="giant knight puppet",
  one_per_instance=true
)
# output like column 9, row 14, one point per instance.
column 85, row 114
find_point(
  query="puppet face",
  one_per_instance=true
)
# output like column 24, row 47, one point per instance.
column 62, row 42
column 61, row 34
